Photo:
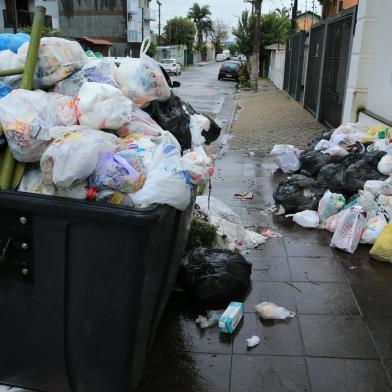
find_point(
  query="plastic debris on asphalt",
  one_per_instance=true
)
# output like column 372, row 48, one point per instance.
column 270, row 311
column 253, row 341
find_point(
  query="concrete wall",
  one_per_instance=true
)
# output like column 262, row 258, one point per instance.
column 52, row 9
column 276, row 69
column 370, row 76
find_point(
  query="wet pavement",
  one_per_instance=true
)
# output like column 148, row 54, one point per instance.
column 340, row 339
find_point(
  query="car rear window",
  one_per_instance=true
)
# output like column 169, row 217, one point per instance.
column 230, row 66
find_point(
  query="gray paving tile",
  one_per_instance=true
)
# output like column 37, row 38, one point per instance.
column 316, row 269
column 303, row 247
column 269, row 269
column 279, row 293
column 381, row 330
column 277, row 337
column 274, row 247
column 336, row 336
column 344, row 375
column 374, row 299
column 251, row 373
column 187, row 372
column 325, row 298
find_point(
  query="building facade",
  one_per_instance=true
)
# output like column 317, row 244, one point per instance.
column 332, row 7
column 306, row 20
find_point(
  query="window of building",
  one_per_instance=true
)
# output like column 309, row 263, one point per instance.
column 340, row 5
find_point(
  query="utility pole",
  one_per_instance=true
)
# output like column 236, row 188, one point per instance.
column 294, row 17
column 256, row 47
column 159, row 22
column 325, row 9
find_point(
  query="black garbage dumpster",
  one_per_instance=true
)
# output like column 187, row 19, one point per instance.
column 82, row 287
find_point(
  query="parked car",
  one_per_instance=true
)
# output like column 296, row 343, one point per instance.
column 171, row 66
column 229, row 70
column 220, row 57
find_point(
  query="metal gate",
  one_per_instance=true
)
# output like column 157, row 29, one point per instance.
column 294, row 64
column 329, row 58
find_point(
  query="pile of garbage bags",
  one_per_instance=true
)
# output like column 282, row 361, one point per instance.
column 95, row 131
column 342, row 183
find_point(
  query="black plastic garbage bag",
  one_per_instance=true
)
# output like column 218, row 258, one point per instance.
column 358, row 173
column 331, row 177
column 215, row 275
column 172, row 117
column 312, row 161
column 299, row 193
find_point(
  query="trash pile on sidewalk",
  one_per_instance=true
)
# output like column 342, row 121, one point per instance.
column 95, row 131
column 342, row 183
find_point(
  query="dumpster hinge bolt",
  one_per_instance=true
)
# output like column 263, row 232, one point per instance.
column 23, row 220
column 25, row 271
column 24, row 246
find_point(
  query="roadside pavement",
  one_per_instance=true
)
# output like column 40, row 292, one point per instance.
column 341, row 337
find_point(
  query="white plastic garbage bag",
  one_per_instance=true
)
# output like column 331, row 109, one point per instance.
column 386, row 188
column 141, row 79
column 27, row 116
column 32, row 183
column 141, row 123
column 307, row 218
column 349, row 230
column 166, row 182
column 336, row 151
column 373, row 229
column 197, row 124
column 368, row 203
column 332, row 222
column 198, row 165
column 99, row 71
column 373, row 186
column 101, row 106
column 271, row 311
column 217, row 208
column 385, row 165
column 330, row 204
column 73, row 155
column 10, row 60
column 58, row 58
column 356, row 132
column 322, row 145
column 286, row 157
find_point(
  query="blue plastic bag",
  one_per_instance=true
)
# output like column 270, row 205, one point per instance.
column 5, row 89
column 13, row 41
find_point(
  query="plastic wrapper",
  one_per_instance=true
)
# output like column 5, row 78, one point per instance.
column 253, row 341
column 101, row 106
column 121, row 171
column 270, row 311
column 99, row 71
column 307, row 218
column 27, row 116
column 286, row 157
column 74, row 154
column 385, row 165
column 197, row 124
column 349, row 230
column 330, row 204
column 198, row 166
column 140, row 123
column 382, row 249
column 373, row 228
column 13, row 42
column 210, row 320
column 58, row 58
column 216, row 207
column 142, row 79
column 166, row 182
column 214, row 275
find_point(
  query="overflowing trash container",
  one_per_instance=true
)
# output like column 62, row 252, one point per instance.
column 96, row 201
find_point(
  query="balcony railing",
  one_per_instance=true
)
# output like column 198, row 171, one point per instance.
column 134, row 36
column 24, row 19
column 133, row 7
column 149, row 14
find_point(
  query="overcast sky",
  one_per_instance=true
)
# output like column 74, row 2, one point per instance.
column 223, row 9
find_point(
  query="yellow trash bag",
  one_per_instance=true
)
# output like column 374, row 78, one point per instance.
column 382, row 249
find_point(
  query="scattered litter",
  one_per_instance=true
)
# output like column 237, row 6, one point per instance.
column 244, row 196
column 210, row 320
column 266, row 232
column 214, row 275
column 231, row 317
column 270, row 311
column 307, row 218
column 293, row 286
column 348, row 232
column 353, row 267
column 253, row 341
column 382, row 249
column 213, row 206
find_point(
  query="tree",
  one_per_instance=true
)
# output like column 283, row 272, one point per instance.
column 233, row 48
column 46, row 31
column 200, row 16
column 244, row 33
column 179, row 31
column 219, row 35
column 283, row 11
column 152, row 49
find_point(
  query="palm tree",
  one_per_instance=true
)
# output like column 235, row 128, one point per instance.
column 200, row 16
column 282, row 11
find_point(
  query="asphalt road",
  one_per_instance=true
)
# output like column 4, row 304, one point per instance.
column 201, row 88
